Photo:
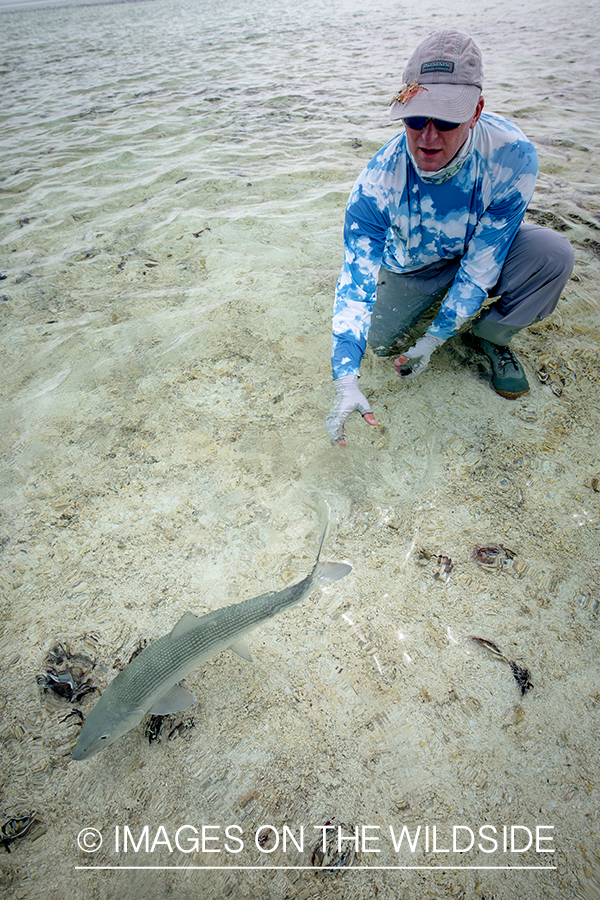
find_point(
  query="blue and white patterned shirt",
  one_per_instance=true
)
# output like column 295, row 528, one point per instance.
column 405, row 220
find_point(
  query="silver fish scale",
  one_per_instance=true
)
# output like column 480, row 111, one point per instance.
column 171, row 659
column 149, row 681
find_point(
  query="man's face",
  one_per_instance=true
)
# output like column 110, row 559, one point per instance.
column 432, row 149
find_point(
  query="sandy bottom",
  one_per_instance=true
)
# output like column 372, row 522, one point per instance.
column 173, row 188
column 172, row 457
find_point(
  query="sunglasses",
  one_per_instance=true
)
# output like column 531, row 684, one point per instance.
column 418, row 123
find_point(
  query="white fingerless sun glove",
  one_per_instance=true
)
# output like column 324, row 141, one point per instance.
column 348, row 398
column 418, row 356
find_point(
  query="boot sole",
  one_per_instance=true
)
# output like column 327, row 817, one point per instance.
column 511, row 396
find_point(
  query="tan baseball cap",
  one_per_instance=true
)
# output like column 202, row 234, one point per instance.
column 443, row 79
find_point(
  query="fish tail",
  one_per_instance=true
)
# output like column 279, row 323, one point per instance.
column 327, row 572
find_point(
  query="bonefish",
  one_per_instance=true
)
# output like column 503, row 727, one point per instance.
column 150, row 683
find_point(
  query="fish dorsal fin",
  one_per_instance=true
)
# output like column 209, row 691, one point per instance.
column 185, row 624
column 242, row 649
column 175, row 700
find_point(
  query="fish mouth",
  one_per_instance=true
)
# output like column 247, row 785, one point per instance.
column 80, row 754
column 87, row 752
column 92, row 749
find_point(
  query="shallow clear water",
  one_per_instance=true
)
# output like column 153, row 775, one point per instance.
column 174, row 177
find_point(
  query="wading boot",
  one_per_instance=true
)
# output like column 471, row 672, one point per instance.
column 508, row 378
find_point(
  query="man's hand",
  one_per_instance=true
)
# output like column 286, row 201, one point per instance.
column 348, row 398
column 416, row 359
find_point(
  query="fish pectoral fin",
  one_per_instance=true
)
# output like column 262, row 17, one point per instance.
column 175, row 700
column 242, row 649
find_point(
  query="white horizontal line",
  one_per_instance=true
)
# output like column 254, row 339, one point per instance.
column 307, row 868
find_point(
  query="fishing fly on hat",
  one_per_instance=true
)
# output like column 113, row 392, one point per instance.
column 443, row 79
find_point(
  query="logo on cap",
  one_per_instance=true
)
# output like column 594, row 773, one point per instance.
column 437, row 65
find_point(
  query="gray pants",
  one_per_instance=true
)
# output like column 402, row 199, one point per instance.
column 534, row 274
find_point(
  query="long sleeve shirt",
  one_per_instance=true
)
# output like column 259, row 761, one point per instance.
column 404, row 219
